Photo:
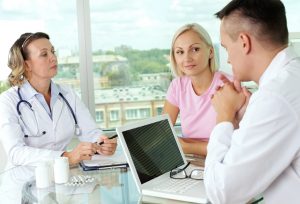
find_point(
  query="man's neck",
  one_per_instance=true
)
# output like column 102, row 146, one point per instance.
column 264, row 59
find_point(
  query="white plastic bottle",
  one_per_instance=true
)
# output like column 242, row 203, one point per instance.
column 61, row 170
column 42, row 175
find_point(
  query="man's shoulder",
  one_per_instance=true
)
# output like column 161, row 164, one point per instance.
column 283, row 87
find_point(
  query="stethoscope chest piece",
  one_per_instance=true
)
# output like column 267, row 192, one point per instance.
column 77, row 130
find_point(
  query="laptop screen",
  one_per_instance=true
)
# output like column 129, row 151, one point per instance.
column 153, row 149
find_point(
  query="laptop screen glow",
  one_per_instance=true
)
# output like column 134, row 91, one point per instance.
column 153, row 149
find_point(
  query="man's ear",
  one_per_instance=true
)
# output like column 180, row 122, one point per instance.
column 246, row 42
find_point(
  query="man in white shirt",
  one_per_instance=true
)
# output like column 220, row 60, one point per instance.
column 260, row 153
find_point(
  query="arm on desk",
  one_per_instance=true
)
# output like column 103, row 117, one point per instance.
column 193, row 146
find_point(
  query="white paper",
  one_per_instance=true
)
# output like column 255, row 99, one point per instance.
column 103, row 160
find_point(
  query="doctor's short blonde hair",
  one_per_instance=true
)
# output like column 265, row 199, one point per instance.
column 204, row 36
column 18, row 53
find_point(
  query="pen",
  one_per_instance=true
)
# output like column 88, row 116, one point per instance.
column 112, row 137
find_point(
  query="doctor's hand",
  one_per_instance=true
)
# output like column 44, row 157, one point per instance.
column 83, row 151
column 108, row 147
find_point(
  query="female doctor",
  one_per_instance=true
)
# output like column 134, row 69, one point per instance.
column 38, row 117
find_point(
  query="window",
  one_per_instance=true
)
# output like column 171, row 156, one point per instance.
column 133, row 40
column 99, row 116
column 114, row 115
column 132, row 52
column 131, row 114
column 144, row 112
column 159, row 110
column 295, row 41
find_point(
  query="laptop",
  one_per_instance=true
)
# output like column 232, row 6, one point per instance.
column 152, row 150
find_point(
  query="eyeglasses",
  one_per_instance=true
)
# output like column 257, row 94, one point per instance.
column 180, row 173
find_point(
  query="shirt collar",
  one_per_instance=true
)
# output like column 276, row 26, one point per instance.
column 278, row 63
column 28, row 92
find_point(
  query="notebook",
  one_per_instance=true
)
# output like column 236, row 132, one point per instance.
column 152, row 150
column 98, row 162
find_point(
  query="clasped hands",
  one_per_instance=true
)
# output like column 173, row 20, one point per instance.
column 85, row 150
column 230, row 101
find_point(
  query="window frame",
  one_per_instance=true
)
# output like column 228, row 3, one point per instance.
column 85, row 55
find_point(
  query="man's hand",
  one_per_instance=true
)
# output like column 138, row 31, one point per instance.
column 227, row 101
column 237, row 86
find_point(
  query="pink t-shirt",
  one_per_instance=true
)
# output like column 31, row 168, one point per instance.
column 197, row 115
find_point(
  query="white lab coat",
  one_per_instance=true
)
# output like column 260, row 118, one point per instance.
column 59, row 130
column 263, row 155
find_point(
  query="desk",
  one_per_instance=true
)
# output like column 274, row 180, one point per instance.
column 17, row 185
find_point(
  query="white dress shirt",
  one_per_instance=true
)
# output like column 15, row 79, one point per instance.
column 55, row 125
column 262, row 156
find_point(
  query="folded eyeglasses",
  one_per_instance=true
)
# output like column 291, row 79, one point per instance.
column 180, row 173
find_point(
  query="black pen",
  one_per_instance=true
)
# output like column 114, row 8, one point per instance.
column 112, row 137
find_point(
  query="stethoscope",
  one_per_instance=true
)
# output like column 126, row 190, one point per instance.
column 38, row 134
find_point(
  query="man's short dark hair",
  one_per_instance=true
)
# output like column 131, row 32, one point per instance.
column 267, row 15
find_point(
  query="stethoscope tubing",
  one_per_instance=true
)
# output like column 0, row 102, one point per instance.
column 77, row 129
column 70, row 108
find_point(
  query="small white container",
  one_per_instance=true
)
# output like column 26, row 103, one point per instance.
column 43, row 175
column 61, row 170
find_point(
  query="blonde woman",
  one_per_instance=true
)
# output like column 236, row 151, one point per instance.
column 194, row 64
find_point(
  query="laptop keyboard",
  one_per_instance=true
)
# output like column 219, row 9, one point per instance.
column 176, row 185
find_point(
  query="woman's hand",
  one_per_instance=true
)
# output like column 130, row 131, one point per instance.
column 83, row 151
column 108, row 147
